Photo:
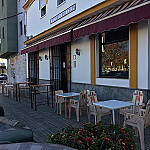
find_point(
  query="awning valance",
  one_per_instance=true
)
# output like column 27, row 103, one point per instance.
column 56, row 38
column 122, row 15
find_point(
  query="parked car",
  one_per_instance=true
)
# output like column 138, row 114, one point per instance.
column 3, row 76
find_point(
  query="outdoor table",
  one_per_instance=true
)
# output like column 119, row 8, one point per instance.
column 9, row 86
column 17, row 87
column 112, row 105
column 3, row 84
column 34, row 91
column 65, row 96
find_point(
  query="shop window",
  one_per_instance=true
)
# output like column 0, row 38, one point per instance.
column 114, row 53
column 43, row 11
column 60, row 1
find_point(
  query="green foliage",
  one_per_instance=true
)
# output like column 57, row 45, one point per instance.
column 95, row 137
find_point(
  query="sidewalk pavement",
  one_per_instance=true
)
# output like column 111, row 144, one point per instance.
column 45, row 121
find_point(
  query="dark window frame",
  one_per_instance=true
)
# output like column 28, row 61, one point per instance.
column 2, row 3
column 21, row 28
column 3, row 33
column 43, row 11
column 60, row 1
column 100, row 54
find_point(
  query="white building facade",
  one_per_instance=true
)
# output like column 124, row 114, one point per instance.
column 98, row 45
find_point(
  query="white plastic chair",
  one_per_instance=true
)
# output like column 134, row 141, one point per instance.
column 78, row 105
column 139, row 121
column 100, row 112
column 138, row 100
column 59, row 100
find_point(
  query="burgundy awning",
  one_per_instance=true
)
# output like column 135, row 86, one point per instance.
column 130, row 12
column 123, row 16
column 47, row 43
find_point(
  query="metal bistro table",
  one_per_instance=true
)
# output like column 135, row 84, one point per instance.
column 112, row 105
column 17, row 87
column 34, row 91
column 65, row 96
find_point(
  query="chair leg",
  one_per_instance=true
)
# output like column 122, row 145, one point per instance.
column 60, row 108
column 11, row 92
column 89, row 116
column 141, row 133
column 55, row 107
column 7, row 91
column 111, row 119
column 77, row 113
column 119, row 118
column 69, row 112
column 99, row 118
column 81, row 111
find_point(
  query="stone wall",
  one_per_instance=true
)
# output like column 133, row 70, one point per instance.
column 16, row 68
column 108, row 92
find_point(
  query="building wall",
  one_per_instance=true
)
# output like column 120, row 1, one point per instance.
column 37, row 24
column 9, row 44
column 143, row 55
column 81, row 74
column 16, row 68
column 21, row 17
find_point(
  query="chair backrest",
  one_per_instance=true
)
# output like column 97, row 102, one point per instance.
column 137, row 97
column 58, row 92
column 147, row 115
column 92, row 93
column 92, row 99
column 83, row 99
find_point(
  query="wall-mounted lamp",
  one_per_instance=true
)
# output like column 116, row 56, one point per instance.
column 40, row 58
column 46, row 57
column 77, row 51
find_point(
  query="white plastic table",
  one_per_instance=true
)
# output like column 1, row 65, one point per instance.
column 112, row 105
column 65, row 96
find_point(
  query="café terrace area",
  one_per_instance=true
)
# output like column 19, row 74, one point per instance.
column 45, row 121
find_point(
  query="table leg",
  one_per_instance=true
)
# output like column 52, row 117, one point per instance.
column 19, row 95
column 35, row 100
column 2, row 88
column 113, row 113
column 57, row 103
column 52, row 96
column 16, row 93
column 95, row 114
column 31, row 99
column 7, row 90
column 65, row 107
column 47, row 97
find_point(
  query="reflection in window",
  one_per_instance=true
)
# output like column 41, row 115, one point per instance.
column 114, row 54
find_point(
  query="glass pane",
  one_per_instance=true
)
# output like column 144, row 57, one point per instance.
column 115, row 59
